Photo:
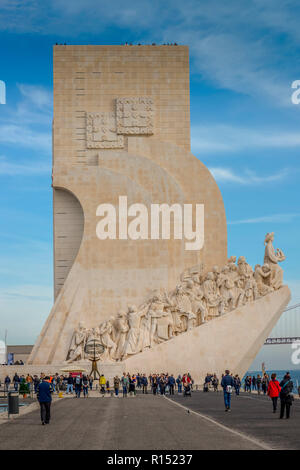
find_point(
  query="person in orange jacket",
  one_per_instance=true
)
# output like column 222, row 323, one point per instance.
column 273, row 391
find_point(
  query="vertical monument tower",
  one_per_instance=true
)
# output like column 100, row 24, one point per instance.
column 121, row 127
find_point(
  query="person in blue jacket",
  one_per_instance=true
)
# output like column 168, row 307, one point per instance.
column 44, row 397
column 227, row 384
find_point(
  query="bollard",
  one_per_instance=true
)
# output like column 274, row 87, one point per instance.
column 13, row 403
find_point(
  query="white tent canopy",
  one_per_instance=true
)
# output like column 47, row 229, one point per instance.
column 3, row 357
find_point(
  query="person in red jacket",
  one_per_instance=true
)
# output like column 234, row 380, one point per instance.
column 273, row 391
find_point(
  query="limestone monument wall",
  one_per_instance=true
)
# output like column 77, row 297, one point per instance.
column 121, row 127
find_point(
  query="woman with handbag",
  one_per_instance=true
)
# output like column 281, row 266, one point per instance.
column 286, row 396
column 273, row 391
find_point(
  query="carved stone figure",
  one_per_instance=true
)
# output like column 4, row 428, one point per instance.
column 76, row 349
column 132, row 340
column 106, row 332
column 211, row 295
column 262, row 277
column 197, row 300
column 122, row 329
column 196, row 295
column 272, row 258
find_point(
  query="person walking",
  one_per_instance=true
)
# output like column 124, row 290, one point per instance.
column 44, row 397
column 274, row 391
column 286, row 397
column 227, row 385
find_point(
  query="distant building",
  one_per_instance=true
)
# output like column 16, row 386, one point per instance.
column 19, row 352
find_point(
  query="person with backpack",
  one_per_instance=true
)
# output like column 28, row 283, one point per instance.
column 227, row 385
column 78, row 385
column 286, row 396
column 85, row 386
column 274, row 391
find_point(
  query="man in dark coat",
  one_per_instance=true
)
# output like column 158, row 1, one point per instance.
column 227, row 384
column 44, row 397
column 286, row 397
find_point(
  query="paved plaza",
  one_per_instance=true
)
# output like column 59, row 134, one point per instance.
column 154, row 422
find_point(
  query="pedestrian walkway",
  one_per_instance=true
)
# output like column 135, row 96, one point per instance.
column 143, row 422
column 251, row 415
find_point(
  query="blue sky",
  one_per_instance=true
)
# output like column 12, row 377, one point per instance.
column 244, row 56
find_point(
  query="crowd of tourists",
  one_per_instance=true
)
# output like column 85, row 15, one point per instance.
column 257, row 383
column 158, row 384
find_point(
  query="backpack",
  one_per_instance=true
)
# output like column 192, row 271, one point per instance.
column 77, row 380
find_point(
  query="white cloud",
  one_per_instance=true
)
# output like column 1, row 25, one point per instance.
column 236, row 47
column 27, row 124
column 220, row 138
column 274, row 218
column 227, row 175
column 26, row 137
column 32, row 168
column 37, row 96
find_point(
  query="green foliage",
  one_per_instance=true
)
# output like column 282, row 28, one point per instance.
column 24, row 388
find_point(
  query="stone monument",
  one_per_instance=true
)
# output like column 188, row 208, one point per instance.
column 140, row 236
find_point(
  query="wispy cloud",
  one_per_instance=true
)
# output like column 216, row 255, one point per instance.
column 237, row 48
column 220, row 138
column 33, row 168
column 274, row 218
column 27, row 124
column 247, row 177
